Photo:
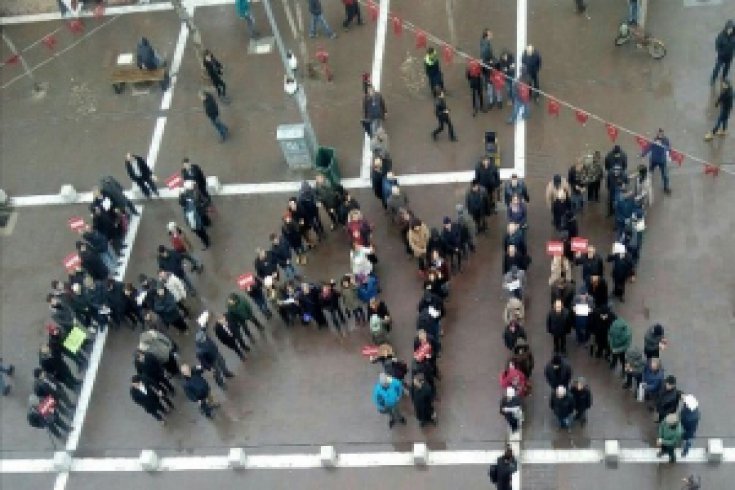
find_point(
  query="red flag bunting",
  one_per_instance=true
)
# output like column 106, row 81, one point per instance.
column 76, row 26
column 397, row 26
column 12, row 60
column 474, row 68
column 642, row 142
column 99, row 11
column 581, row 116
column 712, row 170
column 448, row 54
column 553, row 107
column 420, row 39
column 612, row 131
column 497, row 79
column 524, row 92
column 373, row 9
column 321, row 55
column 49, row 41
column 676, row 157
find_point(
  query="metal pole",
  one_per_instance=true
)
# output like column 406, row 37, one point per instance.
column 300, row 93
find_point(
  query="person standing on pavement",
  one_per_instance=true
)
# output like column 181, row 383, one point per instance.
column 619, row 337
column 724, row 102
column 633, row 368
column 209, row 356
column 562, row 404
column 622, row 270
column 501, row 473
column 725, row 47
column 441, row 111
column 173, row 262
column 374, row 111
column 474, row 79
column 197, row 389
column 669, row 436
column 230, row 336
column 582, row 396
column 433, row 71
column 659, row 150
column 654, row 341
column 164, row 305
column 5, row 370
column 152, row 372
column 212, row 111
column 181, row 244
column 192, row 171
column 241, row 313
column 558, row 372
column 478, row 202
column 43, row 414
column 242, row 7
column 668, row 398
column 387, row 395
column 488, row 176
column 140, row 173
column 689, row 416
column 558, row 324
column 511, row 409
column 317, row 17
column 55, row 365
column 153, row 400
column 520, row 96
column 352, row 10
column 214, row 70
column 176, row 287
column 422, row 395
column 531, row 60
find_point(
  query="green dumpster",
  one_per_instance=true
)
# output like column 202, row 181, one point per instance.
column 326, row 164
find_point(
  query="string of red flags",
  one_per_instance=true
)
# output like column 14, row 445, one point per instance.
column 553, row 104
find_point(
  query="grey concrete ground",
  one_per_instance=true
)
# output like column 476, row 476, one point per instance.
column 306, row 387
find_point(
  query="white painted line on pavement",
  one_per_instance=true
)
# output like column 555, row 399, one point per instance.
column 375, row 76
column 26, row 466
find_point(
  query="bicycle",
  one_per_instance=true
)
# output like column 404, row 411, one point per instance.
column 627, row 33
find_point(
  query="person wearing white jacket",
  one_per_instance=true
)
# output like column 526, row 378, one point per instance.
column 176, row 287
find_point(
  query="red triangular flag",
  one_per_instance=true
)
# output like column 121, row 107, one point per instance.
column 712, row 170
column 373, row 9
column 612, row 131
column 49, row 41
column 642, row 142
column 552, row 107
column 420, row 39
column 524, row 92
column 397, row 26
column 76, row 26
column 473, row 68
column 12, row 60
column 581, row 116
column 676, row 157
column 448, row 53
column 497, row 79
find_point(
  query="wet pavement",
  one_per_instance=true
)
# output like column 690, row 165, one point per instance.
column 303, row 387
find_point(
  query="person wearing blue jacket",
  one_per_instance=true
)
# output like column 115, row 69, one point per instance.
column 387, row 396
column 242, row 7
column 689, row 417
column 659, row 150
column 653, row 378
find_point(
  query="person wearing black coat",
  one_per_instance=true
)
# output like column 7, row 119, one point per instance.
column 92, row 263
column 105, row 224
column 140, row 173
column 308, row 300
column 725, row 47
column 329, row 299
column 558, row 372
column 667, row 400
column 265, row 264
column 622, row 269
column 115, row 300
column 229, row 334
column 428, row 320
column 503, row 470
column 478, row 202
column 150, row 398
column 513, row 257
column 197, row 389
column 54, row 365
column 487, row 175
column 563, row 290
column 51, row 420
column 210, row 358
column 164, row 305
column 214, row 69
column 152, row 371
column 377, row 174
column 562, row 404
column 281, row 252
column 513, row 331
column 422, row 395
column 44, row 384
column 170, row 260
column 451, row 236
column 531, row 60
column 602, row 319
column 558, row 324
column 582, row 396
column 212, row 112
column 592, row 264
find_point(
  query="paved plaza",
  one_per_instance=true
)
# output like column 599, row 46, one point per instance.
column 300, row 388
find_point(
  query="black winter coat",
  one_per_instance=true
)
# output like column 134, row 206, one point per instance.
column 558, row 324
column 560, row 376
column 582, row 398
column 562, row 407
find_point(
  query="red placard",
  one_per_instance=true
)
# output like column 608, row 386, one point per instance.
column 175, row 181
column 72, row 262
column 369, row 350
column 420, row 39
column 47, row 406
column 246, row 280
column 553, row 107
column 554, row 248
column 76, row 223
column 579, row 244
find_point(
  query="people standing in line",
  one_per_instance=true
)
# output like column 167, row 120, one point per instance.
column 558, row 372
column 488, row 176
column 214, row 70
column 352, row 10
column 654, row 341
column 140, row 173
column 423, row 395
column 669, row 436
column 474, row 79
column 172, row 261
column 441, row 111
column 44, row 415
column 622, row 270
column 689, row 416
column 54, row 364
column 230, row 335
column 619, row 338
column 668, row 398
column 240, row 312
column 659, row 154
column 724, row 102
column 152, row 371
column 180, row 243
column 153, row 400
column 433, row 71
column 616, row 166
column 562, row 404
column 373, row 110
column 531, row 60
column 176, row 287
column 212, row 112
column 582, row 396
column 501, row 473
column 210, row 358
column 558, row 324
column 317, row 18
column 725, row 48
column 653, row 381
column 594, row 171
column 633, row 368
column 515, row 186
column 511, row 408
column 477, row 202
column 164, row 305
column 242, row 7
column 197, row 389
column 387, row 395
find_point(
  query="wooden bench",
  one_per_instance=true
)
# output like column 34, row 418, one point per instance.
column 132, row 74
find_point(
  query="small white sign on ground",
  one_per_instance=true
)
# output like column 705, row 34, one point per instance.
column 262, row 45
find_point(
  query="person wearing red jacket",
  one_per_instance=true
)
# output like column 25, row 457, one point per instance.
column 512, row 377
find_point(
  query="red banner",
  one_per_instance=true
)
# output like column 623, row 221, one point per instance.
column 712, row 170
column 552, row 107
column 12, row 60
column 369, row 350
column 554, row 248
column 612, row 131
column 175, row 181
column 76, row 223
column 579, row 244
column 72, row 262
column 244, row 281
column 420, row 39
column 76, row 26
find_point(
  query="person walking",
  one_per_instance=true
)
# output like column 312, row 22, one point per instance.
column 433, row 70
column 501, row 473
column 659, row 154
column 352, row 11
column 582, row 396
column 197, row 389
column 317, row 17
column 140, row 173
column 214, row 70
column 387, row 395
column 242, row 7
column 689, row 416
column 192, row 171
column 373, row 110
column 212, row 111
column 511, row 409
column 562, row 404
column 669, row 436
column 725, row 47
column 153, row 400
column 441, row 111
column 619, row 337
column 230, row 336
column 531, row 60
column 724, row 102
column 5, row 370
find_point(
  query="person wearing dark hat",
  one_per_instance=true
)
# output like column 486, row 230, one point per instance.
column 582, row 396
column 669, row 436
column 441, row 111
column 150, row 398
column 616, row 166
column 592, row 264
column 468, row 230
column 451, row 236
column 513, row 332
column 501, row 473
column 668, row 398
column 478, row 202
column 654, row 341
column 558, row 372
column 523, row 358
column 600, row 322
column 487, row 175
column 230, row 335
